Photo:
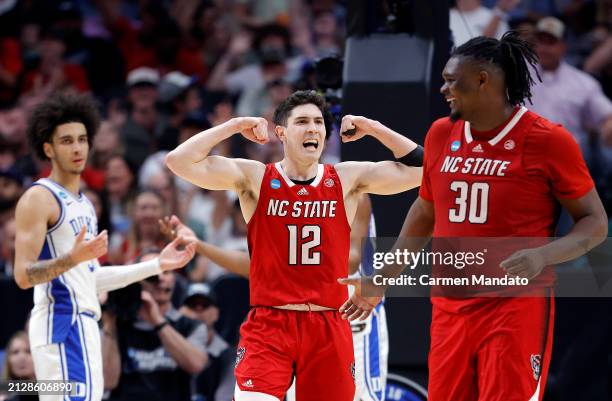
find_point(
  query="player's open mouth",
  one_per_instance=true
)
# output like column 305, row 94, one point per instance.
column 451, row 101
column 311, row 143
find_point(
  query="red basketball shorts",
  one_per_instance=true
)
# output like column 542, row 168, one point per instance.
column 497, row 350
column 316, row 347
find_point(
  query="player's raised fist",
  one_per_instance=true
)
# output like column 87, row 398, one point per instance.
column 84, row 250
column 355, row 127
column 253, row 128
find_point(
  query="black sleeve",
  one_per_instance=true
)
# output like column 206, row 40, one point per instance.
column 414, row 158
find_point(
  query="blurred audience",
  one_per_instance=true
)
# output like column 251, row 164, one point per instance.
column 154, row 355
column 217, row 381
column 469, row 18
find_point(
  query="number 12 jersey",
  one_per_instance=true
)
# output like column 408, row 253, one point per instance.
column 299, row 239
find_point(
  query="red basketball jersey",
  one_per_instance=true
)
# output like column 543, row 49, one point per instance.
column 299, row 239
column 501, row 183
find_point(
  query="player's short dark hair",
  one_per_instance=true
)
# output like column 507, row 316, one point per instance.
column 512, row 55
column 58, row 109
column 300, row 98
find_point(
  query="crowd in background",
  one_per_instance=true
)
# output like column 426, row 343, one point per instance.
column 163, row 71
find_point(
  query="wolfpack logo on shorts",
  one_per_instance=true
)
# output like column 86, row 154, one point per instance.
column 536, row 366
column 353, row 370
column 240, row 355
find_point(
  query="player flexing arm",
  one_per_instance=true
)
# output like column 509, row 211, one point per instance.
column 191, row 160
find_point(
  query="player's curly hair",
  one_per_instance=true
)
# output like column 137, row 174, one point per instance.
column 512, row 55
column 58, row 109
column 299, row 98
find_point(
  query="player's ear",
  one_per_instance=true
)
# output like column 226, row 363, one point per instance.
column 280, row 132
column 483, row 77
column 48, row 149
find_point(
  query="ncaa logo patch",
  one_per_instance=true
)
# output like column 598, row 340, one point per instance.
column 63, row 195
column 455, row 146
column 275, row 184
column 328, row 183
column 509, row 144
column 240, row 355
column 536, row 365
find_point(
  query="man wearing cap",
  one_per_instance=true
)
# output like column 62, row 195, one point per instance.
column 179, row 96
column 217, row 381
column 142, row 85
column 141, row 132
column 569, row 96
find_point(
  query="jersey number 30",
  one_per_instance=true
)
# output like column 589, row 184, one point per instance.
column 309, row 238
column 472, row 201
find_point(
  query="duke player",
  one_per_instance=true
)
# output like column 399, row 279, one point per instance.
column 56, row 247
column 495, row 169
column 298, row 213
column 370, row 336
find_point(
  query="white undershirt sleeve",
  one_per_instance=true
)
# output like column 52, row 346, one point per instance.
column 109, row 278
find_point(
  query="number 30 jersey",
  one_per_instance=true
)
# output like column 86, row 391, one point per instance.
column 299, row 239
column 501, row 183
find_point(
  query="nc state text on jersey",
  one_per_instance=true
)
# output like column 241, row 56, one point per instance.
column 474, row 166
column 307, row 209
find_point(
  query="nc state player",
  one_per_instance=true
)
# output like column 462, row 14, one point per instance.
column 298, row 213
column 495, row 348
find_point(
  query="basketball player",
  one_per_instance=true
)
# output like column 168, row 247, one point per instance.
column 370, row 337
column 56, row 247
column 298, row 213
column 495, row 348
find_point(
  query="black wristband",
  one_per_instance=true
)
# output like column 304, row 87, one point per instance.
column 160, row 326
column 414, row 158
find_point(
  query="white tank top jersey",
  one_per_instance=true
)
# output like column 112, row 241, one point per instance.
column 58, row 302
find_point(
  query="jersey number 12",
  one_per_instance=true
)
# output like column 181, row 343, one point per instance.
column 301, row 247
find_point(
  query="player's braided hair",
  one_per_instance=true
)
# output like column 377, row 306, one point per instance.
column 512, row 55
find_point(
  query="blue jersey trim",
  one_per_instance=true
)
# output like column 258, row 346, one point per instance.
column 61, row 206
column 75, row 359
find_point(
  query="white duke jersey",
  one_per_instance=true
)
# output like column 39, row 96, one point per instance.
column 58, row 302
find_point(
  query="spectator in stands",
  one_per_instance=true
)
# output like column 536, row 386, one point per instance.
column 141, row 132
column 157, row 43
column 163, row 183
column 217, row 381
column 106, row 144
column 469, row 18
column 567, row 95
column 154, row 357
column 7, row 247
column 142, row 85
column 179, row 96
column 18, row 364
column 11, row 66
column 54, row 72
column 148, row 208
column 118, row 190
column 11, row 184
column 272, row 44
column 92, row 53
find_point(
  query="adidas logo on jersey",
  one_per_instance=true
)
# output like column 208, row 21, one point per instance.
column 248, row 383
column 302, row 191
column 478, row 149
